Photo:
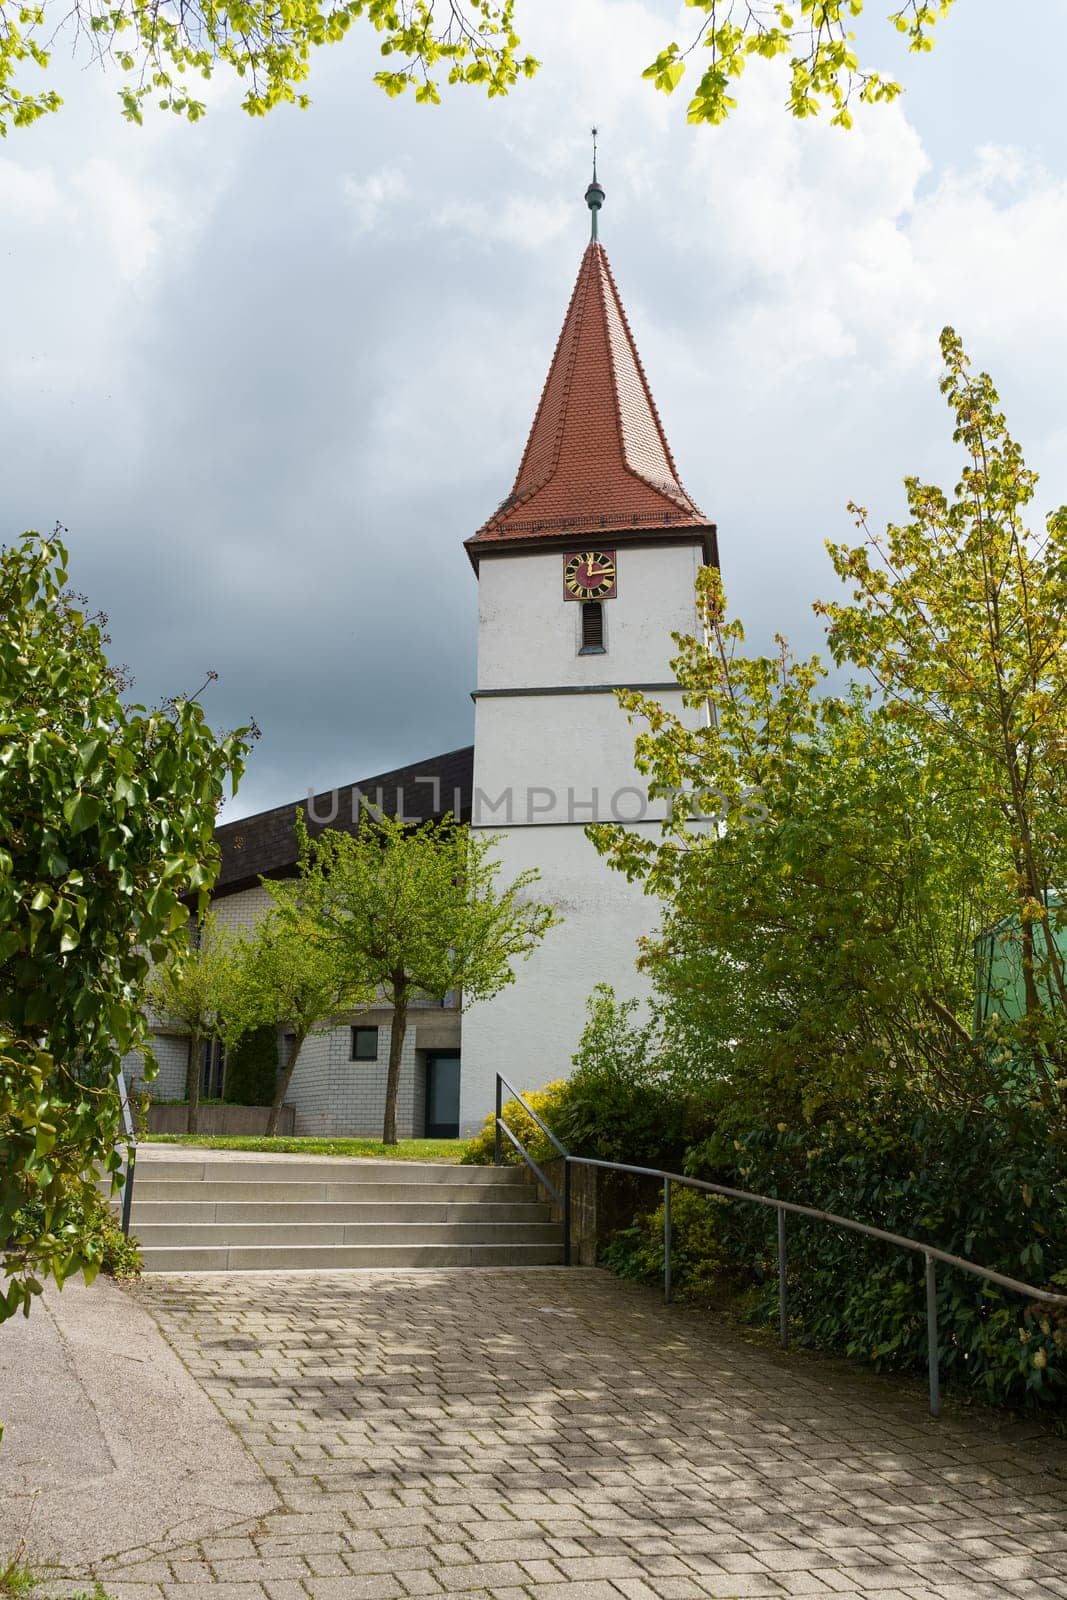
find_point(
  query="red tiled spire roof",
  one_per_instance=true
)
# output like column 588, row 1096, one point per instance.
column 597, row 455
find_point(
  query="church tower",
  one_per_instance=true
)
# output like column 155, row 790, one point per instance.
column 583, row 572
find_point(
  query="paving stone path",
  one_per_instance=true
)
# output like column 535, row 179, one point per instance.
column 554, row 1435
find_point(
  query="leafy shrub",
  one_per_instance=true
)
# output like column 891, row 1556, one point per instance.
column 629, row 1099
column 699, row 1257
column 546, row 1102
column 120, row 1256
column 252, row 1068
column 989, row 1189
column 139, row 1099
column 85, row 1215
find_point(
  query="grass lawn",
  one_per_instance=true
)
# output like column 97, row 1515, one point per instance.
column 406, row 1150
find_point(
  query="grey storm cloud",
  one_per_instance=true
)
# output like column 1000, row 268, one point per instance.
column 272, row 375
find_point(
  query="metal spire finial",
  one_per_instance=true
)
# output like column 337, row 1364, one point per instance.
column 594, row 195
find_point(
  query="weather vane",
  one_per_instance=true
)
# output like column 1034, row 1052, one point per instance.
column 594, row 155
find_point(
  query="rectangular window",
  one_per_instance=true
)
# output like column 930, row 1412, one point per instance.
column 364, row 1044
column 592, row 629
column 212, row 1069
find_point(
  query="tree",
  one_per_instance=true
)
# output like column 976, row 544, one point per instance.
column 960, row 618
column 418, row 911
column 194, row 987
column 107, row 814
column 823, row 65
column 159, row 49
column 290, row 974
column 823, row 877
column 475, row 43
column 821, row 917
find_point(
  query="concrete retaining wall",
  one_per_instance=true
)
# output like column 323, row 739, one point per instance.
column 227, row 1120
column 601, row 1203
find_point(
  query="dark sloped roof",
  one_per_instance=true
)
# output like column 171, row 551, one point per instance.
column 264, row 846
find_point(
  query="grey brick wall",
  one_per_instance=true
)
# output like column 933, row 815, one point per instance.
column 335, row 1095
column 172, row 1054
column 235, row 912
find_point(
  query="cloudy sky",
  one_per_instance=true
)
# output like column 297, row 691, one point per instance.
column 271, row 374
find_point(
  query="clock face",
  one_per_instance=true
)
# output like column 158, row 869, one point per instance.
column 590, row 575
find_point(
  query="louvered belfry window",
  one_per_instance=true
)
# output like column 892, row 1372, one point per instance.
column 592, row 625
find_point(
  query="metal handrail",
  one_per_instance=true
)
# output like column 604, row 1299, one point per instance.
column 931, row 1253
column 531, row 1163
column 131, row 1150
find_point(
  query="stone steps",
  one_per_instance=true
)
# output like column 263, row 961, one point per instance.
column 290, row 1234
column 148, row 1188
column 246, row 1167
column 232, row 1212
column 317, row 1258
column 150, row 1212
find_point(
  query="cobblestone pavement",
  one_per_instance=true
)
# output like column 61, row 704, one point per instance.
column 553, row 1435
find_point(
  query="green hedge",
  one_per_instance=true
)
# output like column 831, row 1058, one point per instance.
column 988, row 1185
column 984, row 1188
column 252, row 1068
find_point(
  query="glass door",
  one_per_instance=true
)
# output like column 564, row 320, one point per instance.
column 442, row 1095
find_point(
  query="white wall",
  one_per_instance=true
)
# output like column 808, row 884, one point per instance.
column 563, row 747
column 529, row 1032
column 528, row 632
column 335, row 1095
column 560, row 758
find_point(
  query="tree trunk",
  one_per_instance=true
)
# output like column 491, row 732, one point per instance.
column 281, row 1088
column 396, row 1050
column 192, row 1083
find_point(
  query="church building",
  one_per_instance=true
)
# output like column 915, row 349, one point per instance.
column 584, row 572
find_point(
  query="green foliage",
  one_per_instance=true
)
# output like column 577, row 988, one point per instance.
column 468, row 42
column 121, row 1255
column 267, row 46
column 826, row 867
column 989, row 1189
column 960, row 617
column 830, row 861
column 824, row 69
column 627, row 1094
column 107, row 814
column 18, row 1579
column 819, row 936
column 627, row 1091
column 88, row 1216
column 546, row 1102
column 290, row 973
column 699, row 1256
column 252, row 1067
column 407, row 911
column 420, row 908
column 194, row 987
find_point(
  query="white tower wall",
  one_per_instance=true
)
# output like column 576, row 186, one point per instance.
column 553, row 751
